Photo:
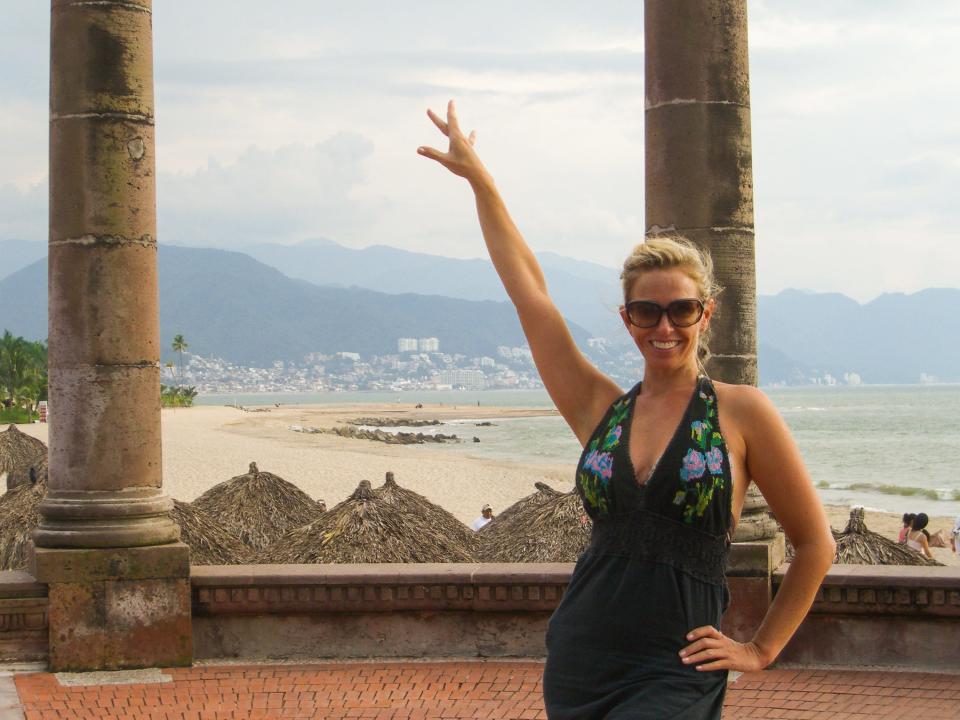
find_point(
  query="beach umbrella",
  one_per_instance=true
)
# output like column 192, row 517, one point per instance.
column 18, row 452
column 414, row 503
column 857, row 545
column 19, row 516
column 258, row 507
column 209, row 542
column 548, row 526
column 365, row 528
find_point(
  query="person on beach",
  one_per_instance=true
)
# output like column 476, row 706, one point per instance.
column 663, row 475
column 917, row 538
column 955, row 535
column 907, row 520
column 486, row 515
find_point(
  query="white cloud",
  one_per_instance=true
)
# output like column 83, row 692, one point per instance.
column 291, row 193
column 278, row 125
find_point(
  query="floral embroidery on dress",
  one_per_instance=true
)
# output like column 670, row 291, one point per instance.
column 597, row 467
column 701, row 472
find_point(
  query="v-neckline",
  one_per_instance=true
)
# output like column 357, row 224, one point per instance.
column 629, row 432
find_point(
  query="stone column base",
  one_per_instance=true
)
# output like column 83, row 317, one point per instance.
column 750, row 579
column 117, row 608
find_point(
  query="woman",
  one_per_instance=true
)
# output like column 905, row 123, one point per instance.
column 917, row 538
column 636, row 635
column 907, row 522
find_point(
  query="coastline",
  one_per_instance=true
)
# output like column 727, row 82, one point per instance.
column 206, row 444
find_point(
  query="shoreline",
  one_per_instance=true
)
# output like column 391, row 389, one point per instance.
column 206, row 444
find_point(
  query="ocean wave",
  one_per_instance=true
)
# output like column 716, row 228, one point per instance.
column 902, row 490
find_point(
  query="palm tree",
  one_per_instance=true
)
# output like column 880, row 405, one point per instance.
column 15, row 366
column 179, row 345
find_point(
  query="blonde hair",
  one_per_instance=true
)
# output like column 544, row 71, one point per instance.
column 665, row 252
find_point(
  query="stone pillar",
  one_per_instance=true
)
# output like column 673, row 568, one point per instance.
column 118, row 578
column 699, row 183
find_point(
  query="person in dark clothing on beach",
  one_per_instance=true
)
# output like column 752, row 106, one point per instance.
column 663, row 476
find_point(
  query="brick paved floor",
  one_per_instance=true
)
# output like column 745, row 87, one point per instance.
column 509, row 690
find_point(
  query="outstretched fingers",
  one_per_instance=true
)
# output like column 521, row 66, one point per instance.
column 452, row 121
column 432, row 153
column 438, row 121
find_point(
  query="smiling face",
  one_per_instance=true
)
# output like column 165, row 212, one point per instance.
column 665, row 346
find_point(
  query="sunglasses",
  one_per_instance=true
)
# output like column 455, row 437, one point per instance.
column 647, row 314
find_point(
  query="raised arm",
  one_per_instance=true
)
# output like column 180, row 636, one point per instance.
column 580, row 391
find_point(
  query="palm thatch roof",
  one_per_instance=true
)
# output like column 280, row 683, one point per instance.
column 392, row 494
column 18, row 451
column 209, row 542
column 548, row 526
column 19, row 515
column 258, row 507
column 365, row 528
column 857, row 545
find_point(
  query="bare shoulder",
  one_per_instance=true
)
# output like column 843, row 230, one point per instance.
column 743, row 402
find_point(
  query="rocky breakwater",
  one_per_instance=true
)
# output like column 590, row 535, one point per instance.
column 381, row 422
column 399, row 438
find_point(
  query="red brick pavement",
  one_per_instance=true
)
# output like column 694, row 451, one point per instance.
column 454, row 690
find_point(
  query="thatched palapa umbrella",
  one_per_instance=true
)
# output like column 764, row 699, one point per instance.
column 548, row 526
column 258, row 507
column 857, row 545
column 19, row 515
column 365, row 528
column 210, row 543
column 18, row 453
column 415, row 504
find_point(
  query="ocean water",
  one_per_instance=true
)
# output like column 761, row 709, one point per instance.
column 892, row 448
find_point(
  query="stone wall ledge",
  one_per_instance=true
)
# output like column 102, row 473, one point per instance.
column 886, row 590
column 276, row 589
column 15, row 584
column 23, row 617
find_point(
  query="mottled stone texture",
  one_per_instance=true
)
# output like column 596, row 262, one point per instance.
column 104, row 365
column 119, row 597
column 699, row 174
column 111, row 609
column 699, row 177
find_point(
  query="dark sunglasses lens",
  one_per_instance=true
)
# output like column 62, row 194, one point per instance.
column 684, row 313
column 643, row 314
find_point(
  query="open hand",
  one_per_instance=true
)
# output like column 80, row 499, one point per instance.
column 712, row 650
column 460, row 158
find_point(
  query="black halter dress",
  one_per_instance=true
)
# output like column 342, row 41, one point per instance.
column 653, row 572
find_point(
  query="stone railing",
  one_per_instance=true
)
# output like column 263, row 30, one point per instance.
column 863, row 615
column 433, row 610
column 23, row 617
column 881, row 615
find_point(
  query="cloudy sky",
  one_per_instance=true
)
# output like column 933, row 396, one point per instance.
column 300, row 119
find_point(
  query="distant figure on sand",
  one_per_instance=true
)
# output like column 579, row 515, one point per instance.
column 907, row 520
column 917, row 537
column 486, row 515
column 955, row 535
column 637, row 632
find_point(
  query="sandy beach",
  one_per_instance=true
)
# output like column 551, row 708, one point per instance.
column 205, row 445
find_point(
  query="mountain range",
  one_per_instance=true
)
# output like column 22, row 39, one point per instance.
column 322, row 297
column 586, row 293
column 231, row 306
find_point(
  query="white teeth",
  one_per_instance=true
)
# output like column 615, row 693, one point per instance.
column 665, row 345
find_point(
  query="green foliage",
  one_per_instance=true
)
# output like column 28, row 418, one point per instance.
column 23, row 373
column 177, row 396
column 16, row 415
